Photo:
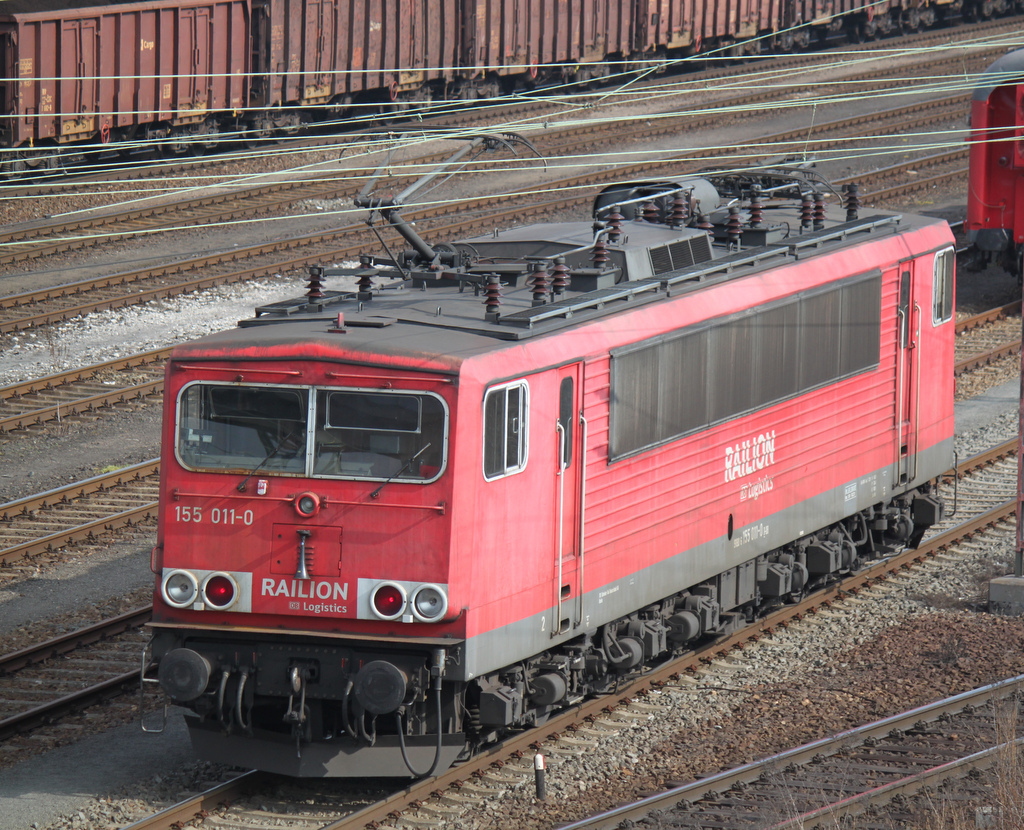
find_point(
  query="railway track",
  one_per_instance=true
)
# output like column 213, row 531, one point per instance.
column 69, row 673
column 43, row 523
column 833, row 779
column 986, row 338
column 32, row 309
column 85, row 390
column 986, row 478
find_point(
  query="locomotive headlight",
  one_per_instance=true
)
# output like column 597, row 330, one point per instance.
column 179, row 589
column 219, row 590
column 388, row 600
column 307, row 504
column 429, row 603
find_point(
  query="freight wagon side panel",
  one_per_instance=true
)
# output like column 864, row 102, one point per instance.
column 8, row 79
column 606, row 29
column 764, row 16
column 325, row 52
column 36, row 50
column 555, row 39
column 668, row 24
column 712, row 20
column 210, row 61
column 508, row 38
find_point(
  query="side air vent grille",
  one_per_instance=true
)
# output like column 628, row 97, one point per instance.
column 661, row 259
column 681, row 254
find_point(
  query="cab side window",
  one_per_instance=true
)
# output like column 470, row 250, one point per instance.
column 942, row 291
column 506, row 418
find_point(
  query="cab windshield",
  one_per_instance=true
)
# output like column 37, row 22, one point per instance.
column 324, row 433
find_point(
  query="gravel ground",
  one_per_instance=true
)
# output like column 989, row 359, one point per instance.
column 788, row 681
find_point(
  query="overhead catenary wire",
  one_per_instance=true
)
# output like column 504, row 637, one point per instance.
column 579, row 109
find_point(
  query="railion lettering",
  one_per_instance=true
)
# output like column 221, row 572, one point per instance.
column 750, row 456
column 304, row 589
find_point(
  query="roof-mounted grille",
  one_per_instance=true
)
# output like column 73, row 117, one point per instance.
column 681, row 254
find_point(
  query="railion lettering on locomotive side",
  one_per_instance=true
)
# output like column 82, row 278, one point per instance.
column 304, row 589
column 750, row 456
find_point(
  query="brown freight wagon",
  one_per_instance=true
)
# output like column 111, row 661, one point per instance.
column 725, row 27
column 514, row 44
column 75, row 71
column 320, row 56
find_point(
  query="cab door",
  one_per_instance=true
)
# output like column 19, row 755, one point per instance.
column 569, row 435
column 908, row 322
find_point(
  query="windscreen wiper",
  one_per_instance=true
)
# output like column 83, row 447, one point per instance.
column 405, row 467
column 271, row 454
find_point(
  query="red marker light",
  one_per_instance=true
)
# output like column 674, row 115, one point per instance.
column 389, row 601
column 219, row 590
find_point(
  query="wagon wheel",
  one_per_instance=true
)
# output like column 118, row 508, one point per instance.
column 26, row 161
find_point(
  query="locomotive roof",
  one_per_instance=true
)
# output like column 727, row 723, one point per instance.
column 436, row 328
column 1008, row 68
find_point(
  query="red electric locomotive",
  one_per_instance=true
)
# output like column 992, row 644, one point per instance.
column 503, row 473
column 995, row 196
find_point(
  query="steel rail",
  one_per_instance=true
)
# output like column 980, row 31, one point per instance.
column 351, row 250
column 911, row 784
column 44, row 414
column 68, row 704
column 76, row 534
column 68, row 642
column 80, row 405
column 197, row 807
column 290, row 192
column 28, row 387
column 68, row 492
column 988, row 317
column 986, row 358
